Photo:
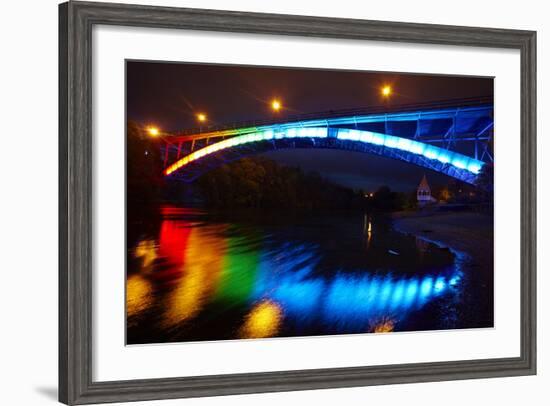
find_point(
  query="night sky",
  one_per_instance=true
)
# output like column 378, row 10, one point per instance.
column 169, row 95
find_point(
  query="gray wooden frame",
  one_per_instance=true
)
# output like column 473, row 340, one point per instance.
column 76, row 20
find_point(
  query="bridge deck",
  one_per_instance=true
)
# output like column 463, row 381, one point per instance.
column 456, row 140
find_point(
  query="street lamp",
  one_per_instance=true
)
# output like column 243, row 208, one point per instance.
column 153, row 131
column 386, row 91
column 276, row 105
column 201, row 118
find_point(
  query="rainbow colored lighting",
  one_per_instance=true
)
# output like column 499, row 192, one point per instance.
column 256, row 134
column 269, row 134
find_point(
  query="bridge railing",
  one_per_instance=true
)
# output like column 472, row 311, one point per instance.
column 379, row 109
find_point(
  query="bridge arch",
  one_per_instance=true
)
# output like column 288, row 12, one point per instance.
column 426, row 155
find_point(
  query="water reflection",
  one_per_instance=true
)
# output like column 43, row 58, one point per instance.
column 422, row 245
column 146, row 251
column 200, row 262
column 138, row 295
column 204, row 280
column 367, row 229
column 264, row 320
column 238, row 272
column 352, row 301
column 385, row 326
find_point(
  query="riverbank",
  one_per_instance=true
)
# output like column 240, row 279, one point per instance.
column 471, row 233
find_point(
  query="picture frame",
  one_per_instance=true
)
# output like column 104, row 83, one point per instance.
column 76, row 352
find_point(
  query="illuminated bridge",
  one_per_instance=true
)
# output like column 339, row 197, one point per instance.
column 454, row 138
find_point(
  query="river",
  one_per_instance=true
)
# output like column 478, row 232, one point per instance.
column 194, row 275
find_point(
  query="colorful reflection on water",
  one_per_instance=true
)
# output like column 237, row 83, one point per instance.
column 201, row 279
column 198, row 263
column 264, row 320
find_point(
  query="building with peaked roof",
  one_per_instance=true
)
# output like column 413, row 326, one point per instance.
column 424, row 193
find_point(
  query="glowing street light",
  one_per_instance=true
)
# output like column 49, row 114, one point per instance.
column 153, row 131
column 386, row 91
column 201, row 117
column 276, row 105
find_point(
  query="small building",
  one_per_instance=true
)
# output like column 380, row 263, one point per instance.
column 424, row 193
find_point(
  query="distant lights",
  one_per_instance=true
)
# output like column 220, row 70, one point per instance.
column 201, row 117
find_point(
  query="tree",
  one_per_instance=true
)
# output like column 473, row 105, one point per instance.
column 260, row 182
column 485, row 181
column 143, row 167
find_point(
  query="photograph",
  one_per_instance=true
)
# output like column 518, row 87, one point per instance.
column 272, row 202
column 275, row 203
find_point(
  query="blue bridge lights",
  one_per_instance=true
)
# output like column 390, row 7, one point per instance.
column 432, row 152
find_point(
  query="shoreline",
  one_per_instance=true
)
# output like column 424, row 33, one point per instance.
column 465, row 232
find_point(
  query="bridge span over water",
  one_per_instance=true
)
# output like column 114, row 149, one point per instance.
column 453, row 137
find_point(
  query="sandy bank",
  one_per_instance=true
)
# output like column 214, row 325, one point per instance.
column 471, row 233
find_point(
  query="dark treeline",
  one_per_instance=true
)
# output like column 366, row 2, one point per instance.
column 384, row 199
column 456, row 192
column 143, row 166
column 262, row 183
